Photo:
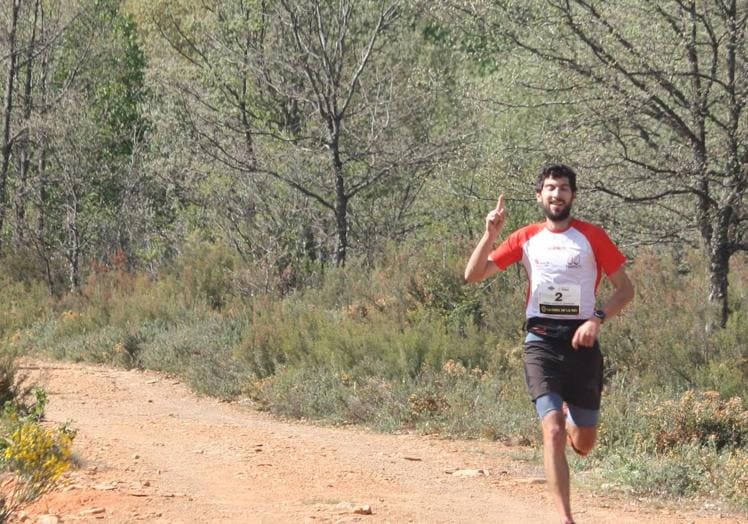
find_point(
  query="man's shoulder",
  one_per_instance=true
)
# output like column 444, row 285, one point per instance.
column 601, row 243
column 519, row 237
column 510, row 250
column 588, row 228
column 529, row 230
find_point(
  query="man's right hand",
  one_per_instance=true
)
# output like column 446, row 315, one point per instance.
column 480, row 264
column 495, row 219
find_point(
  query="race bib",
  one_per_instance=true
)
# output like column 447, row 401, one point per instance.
column 560, row 299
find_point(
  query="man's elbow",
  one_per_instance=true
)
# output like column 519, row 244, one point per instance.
column 474, row 273
column 471, row 277
column 629, row 293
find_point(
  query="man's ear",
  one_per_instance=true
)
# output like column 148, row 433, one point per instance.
column 538, row 197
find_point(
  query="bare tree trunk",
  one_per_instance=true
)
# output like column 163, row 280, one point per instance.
column 41, row 220
column 40, row 242
column 719, row 267
column 341, row 216
column 25, row 146
column 7, row 109
column 719, row 240
column 74, row 246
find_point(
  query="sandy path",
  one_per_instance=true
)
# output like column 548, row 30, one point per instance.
column 152, row 451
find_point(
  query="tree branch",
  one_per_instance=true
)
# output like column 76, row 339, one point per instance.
column 642, row 199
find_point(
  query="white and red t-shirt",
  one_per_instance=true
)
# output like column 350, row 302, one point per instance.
column 564, row 268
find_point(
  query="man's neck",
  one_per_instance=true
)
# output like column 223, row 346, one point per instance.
column 558, row 226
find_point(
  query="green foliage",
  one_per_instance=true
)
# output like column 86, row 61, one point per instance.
column 112, row 79
column 665, row 324
column 198, row 348
column 14, row 389
column 459, row 402
column 655, row 443
column 353, row 338
column 450, row 401
column 106, row 299
column 404, row 344
column 127, row 352
column 36, row 456
column 33, row 456
column 207, row 272
column 685, row 472
column 24, row 302
column 697, row 418
column 302, row 392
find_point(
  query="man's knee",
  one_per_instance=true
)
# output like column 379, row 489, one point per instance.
column 554, row 427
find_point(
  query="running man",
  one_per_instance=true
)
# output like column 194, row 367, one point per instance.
column 565, row 259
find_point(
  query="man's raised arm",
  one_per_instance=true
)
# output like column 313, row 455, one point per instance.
column 480, row 266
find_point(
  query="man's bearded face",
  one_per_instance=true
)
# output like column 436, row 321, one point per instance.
column 556, row 198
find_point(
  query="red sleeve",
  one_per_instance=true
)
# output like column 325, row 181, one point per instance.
column 511, row 250
column 607, row 254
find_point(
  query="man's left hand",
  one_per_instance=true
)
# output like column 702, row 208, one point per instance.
column 586, row 334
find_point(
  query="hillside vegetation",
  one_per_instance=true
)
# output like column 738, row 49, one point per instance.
column 404, row 345
column 276, row 200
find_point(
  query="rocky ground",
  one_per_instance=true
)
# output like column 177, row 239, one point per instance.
column 150, row 450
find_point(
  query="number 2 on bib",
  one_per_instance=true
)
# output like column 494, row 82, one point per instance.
column 560, row 299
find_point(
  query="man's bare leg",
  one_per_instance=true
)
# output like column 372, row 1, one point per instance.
column 554, row 460
column 581, row 440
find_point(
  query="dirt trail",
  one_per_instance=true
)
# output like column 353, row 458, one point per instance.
column 150, row 450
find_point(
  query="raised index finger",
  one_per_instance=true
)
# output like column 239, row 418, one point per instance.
column 500, row 203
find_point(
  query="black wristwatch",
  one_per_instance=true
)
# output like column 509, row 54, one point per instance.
column 599, row 313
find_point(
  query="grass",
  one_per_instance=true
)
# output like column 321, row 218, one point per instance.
column 406, row 346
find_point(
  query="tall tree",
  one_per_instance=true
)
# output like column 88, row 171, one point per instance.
column 8, row 99
column 24, row 160
column 319, row 97
column 77, row 130
column 658, row 91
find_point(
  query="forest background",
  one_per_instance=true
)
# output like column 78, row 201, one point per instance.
column 276, row 199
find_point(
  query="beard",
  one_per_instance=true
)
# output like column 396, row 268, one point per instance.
column 556, row 216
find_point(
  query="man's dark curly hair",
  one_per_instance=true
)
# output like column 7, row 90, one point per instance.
column 556, row 171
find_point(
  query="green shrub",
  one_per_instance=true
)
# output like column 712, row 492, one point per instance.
column 13, row 385
column 33, row 456
column 684, row 471
column 206, row 272
column 101, row 346
column 448, row 401
column 23, row 304
column 351, row 340
column 401, row 343
column 472, row 403
column 200, row 349
column 692, row 444
column 666, row 325
column 697, row 418
column 302, row 393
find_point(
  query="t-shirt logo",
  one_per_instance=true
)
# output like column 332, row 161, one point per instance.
column 574, row 262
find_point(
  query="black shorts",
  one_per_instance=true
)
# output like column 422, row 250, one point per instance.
column 554, row 366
